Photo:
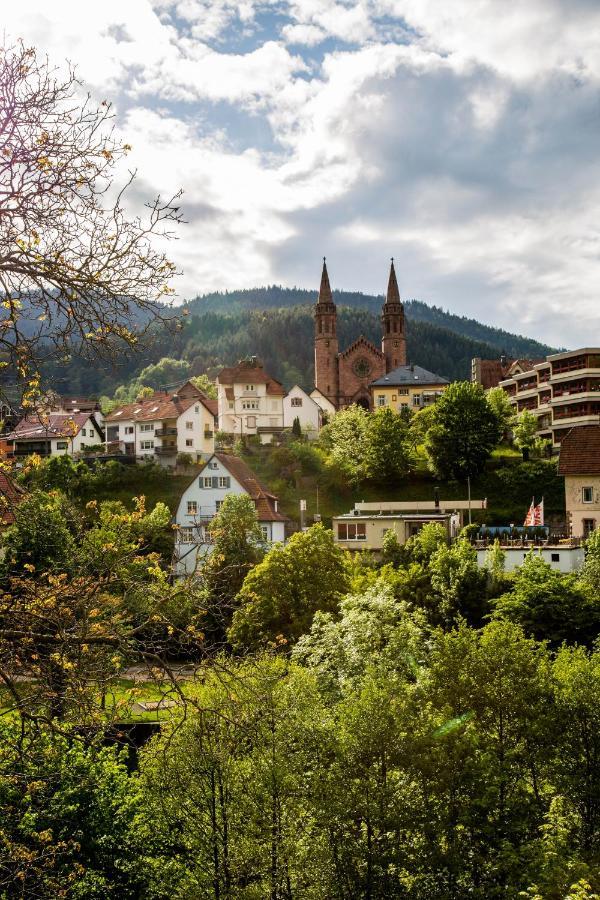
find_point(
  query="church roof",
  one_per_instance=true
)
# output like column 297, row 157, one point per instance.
column 393, row 292
column 362, row 341
column 409, row 375
column 325, row 295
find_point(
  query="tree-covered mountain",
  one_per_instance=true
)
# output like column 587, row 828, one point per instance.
column 276, row 324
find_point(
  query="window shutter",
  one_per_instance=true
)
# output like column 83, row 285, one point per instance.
column 228, row 482
column 201, row 482
column 215, row 481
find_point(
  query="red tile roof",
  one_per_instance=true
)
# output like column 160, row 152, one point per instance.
column 163, row 405
column 252, row 372
column 580, row 451
column 50, row 425
column 264, row 499
column 11, row 495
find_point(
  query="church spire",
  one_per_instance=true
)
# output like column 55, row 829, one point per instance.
column 325, row 295
column 393, row 293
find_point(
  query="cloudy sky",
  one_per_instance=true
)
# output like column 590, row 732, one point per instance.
column 459, row 136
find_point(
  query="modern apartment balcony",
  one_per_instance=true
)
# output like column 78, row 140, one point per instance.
column 166, row 451
column 528, row 388
column 165, row 432
column 584, row 418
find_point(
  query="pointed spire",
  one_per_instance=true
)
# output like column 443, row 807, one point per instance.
column 393, row 294
column 325, row 289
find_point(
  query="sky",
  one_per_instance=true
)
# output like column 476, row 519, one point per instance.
column 460, row 137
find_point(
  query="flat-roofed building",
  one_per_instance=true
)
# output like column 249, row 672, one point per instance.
column 563, row 392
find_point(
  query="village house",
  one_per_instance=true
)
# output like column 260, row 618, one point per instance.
column 223, row 474
column 297, row 404
column 250, row 401
column 579, row 464
column 327, row 407
column 54, row 434
column 407, row 387
column 163, row 425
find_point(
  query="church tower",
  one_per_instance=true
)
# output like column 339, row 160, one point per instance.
column 326, row 342
column 393, row 344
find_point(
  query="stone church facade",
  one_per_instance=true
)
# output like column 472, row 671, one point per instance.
column 344, row 376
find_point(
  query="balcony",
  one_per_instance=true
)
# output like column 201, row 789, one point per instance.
column 166, row 451
column 208, row 433
column 165, row 432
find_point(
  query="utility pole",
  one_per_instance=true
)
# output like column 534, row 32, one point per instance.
column 469, row 495
column 302, row 514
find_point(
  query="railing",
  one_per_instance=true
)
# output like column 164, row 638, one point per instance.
column 166, row 451
column 165, row 432
column 208, row 433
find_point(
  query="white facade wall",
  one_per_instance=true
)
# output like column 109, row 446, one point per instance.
column 87, row 436
column 198, row 505
column 562, row 559
column 298, row 404
column 197, row 440
column 249, row 409
column 324, row 402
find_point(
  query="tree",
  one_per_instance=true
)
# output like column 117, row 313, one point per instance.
column 525, row 432
column 77, row 276
column 345, row 437
column 465, row 430
column 236, row 546
column 204, row 384
column 550, row 605
column 40, row 539
column 459, row 583
column 280, row 596
column 296, row 427
column 501, row 405
column 386, row 458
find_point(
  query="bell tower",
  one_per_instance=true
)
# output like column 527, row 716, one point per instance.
column 326, row 342
column 393, row 344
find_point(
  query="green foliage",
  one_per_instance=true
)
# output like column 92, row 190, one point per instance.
column 459, row 584
column 42, row 536
column 465, row 430
column 204, row 384
column 386, row 458
column 344, row 438
column 280, row 596
column 296, row 429
column 67, row 819
column 525, row 432
column 550, row 605
column 501, row 407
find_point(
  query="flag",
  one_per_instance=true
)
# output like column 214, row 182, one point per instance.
column 530, row 517
column 539, row 513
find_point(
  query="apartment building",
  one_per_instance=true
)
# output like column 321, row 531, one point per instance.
column 407, row 386
column 163, row 425
column 563, row 392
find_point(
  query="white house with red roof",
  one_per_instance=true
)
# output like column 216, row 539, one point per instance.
column 55, row 433
column 163, row 425
column 223, row 474
column 250, row 401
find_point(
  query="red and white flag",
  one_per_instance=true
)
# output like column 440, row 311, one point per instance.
column 539, row 513
column 535, row 514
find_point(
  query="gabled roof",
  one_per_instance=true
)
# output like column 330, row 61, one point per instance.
column 365, row 343
column 37, row 426
column 404, row 375
column 580, row 451
column 11, row 495
column 262, row 496
column 250, row 371
column 163, row 405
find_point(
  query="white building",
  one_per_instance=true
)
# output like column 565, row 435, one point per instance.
column 163, row 425
column 298, row 404
column 223, row 474
column 54, row 434
column 324, row 402
column 561, row 557
column 250, row 401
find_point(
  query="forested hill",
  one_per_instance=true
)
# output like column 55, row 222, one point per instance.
column 223, row 328
column 276, row 297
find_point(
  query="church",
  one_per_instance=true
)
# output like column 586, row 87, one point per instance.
column 344, row 376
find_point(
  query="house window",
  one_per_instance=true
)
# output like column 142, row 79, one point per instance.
column 62, row 445
column 192, row 507
column 146, row 445
column 251, row 422
column 403, row 391
column 189, row 426
column 249, row 387
column 83, row 432
column 352, row 531
column 416, row 399
column 189, row 442
column 147, row 427
column 224, row 481
column 218, row 504
column 296, row 401
column 265, row 532
column 250, row 404
column 555, row 557
column 186, row 535
column 589, row 525
column 207, row 481
column 588, row 494
column 380, row 399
